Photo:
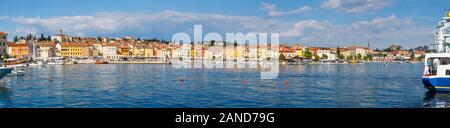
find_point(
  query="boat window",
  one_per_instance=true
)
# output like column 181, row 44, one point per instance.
column 438, row 61
column 447, row 72
column 444, row 61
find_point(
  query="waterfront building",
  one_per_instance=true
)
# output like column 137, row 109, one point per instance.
column 97, row 49
column 18, row 49
column 76, row 50
column 326, row 53
column 299, row 49
column 240, row 53
column 230, row 53
column 215, row 53
column 149, row 51
column 178, row 54
column 3, row 44
column 109, row 51
column 265, row 53
column 344, row 52
column 185, row 52
column 402, row 55
column 358, row 50
column 138, row 50
column 163, row 53
column 124, row 50
column 46, row 50
column 253, row 52
column 286, row 51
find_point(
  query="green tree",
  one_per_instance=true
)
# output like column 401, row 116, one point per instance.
column 16, row 39
column 49, row 38
column 370, row 57
column 316, row 58
column 324, row 56
column 349, row 57
column 338, row 52
column 282, row 57
column 413, row 57
column 341, row 57
column 42, row 38
column 359, row 56
column 308, row 54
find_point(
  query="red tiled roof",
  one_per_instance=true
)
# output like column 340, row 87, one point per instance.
column 12, row 44
column 75, row 44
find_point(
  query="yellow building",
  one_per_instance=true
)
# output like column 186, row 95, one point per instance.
column 149, row 52
column 139, row 50
column 230, row 53
column 18, row 50
column 75, row 50
column 124, row 50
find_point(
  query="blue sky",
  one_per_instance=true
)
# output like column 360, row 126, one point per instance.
column 313, row 22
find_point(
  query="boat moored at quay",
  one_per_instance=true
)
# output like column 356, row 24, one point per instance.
column 436, row 75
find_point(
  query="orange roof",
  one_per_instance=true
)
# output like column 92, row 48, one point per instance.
column 3, row 33
column 355, row 47
column 47, row 44
column 12, row 44
column 75, row 44
column 110, row 44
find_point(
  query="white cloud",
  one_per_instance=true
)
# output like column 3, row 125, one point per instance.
column 272, row 11
column 165, row 21
column 355, row 6
column 381, row 24
column 380, row 31
column 307, row 26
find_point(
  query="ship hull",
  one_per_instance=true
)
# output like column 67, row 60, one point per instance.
column 437, row 83
column 4, row 71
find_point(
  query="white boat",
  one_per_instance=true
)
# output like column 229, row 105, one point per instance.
column 17, row 72
column 16, row 62
column 55, row 61
column 436, row 75
column 37, row 63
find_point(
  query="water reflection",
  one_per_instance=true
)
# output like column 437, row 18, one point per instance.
column 5, row 94
column 435, row 99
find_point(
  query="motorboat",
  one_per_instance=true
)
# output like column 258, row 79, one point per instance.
column 17, row 72
column 101, row 62
column 37, row 63
column 55, row 61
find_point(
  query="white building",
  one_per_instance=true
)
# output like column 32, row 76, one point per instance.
column 355, row 50
column 214, row 53
column 45, row 51
column 326, row 52
column 186, row 52
column 110, row 52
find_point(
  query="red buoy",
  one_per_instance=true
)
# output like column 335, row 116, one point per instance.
column 245, row 82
